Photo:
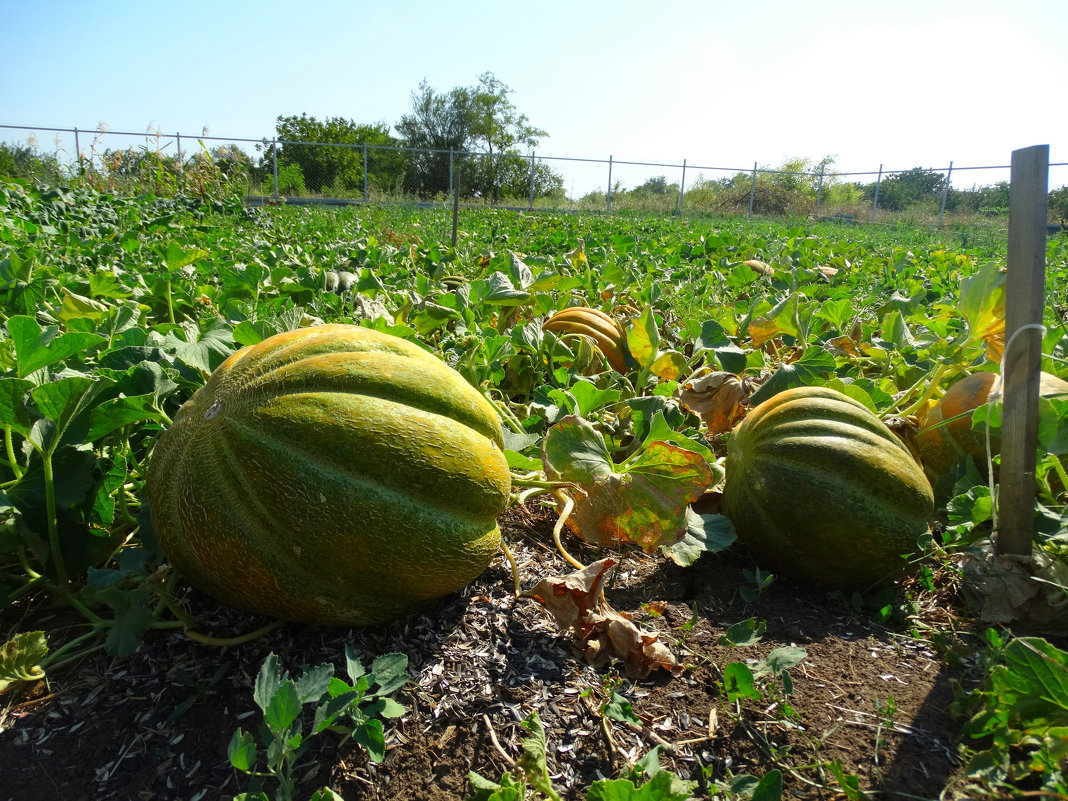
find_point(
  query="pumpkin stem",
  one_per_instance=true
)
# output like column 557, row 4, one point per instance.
column 932, row 387
column 568, row 504
column 241, row 639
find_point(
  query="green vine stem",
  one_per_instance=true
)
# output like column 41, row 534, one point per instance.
column 9, row 447
column 53, row 526
column 506, row 414
column 932, row 387
column 241, row 639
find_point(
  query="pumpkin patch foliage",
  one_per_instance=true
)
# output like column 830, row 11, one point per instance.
column 320, row 415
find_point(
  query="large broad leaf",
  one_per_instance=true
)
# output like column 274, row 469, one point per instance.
column 811, row 369
column 13, row 411
column 202, row 350
column 783, row 318
column 177, row 257
column 982, row 303
column 643, row 338
column 66, row 403
column 502, row 292
column 36, row 347
column 643, row 501
column 704, row 533
column 1035, row 683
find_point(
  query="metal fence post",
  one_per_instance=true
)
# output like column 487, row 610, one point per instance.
column 532, row 180
column 608, row 194
column 77, row 151
column 682, row 185
column 452, row 182
column 945, row 193
column 819, row 192
column 875, row 200
column 752, row 190
column 274, row 159
column 364, row 172
column 178, row 139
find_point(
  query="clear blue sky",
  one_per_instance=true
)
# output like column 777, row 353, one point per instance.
column 902, row 84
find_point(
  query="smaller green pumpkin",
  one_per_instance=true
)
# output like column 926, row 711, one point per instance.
column 821, row 491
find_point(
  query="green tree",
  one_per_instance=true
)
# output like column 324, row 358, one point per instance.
column 439, row 123
column 478, row 119
column 904, row 189
column 335, row 163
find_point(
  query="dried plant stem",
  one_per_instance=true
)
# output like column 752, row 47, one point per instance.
column 496, row 744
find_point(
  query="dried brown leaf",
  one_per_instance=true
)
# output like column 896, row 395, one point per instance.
column 717, row 397
column 600, row 632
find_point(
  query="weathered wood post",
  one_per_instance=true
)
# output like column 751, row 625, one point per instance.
column 1024, row 300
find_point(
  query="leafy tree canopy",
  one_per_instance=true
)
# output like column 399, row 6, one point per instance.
column 334, row 169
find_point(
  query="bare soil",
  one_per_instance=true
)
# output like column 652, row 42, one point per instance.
column 156, row 725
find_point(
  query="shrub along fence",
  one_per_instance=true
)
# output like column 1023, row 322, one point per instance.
column 267, row 170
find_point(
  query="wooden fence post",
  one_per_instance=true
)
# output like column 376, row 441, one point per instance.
column 1024, row 301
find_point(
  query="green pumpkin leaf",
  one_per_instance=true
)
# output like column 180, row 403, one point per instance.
column 502, row 292
column 643, row 501
column 769, row 788
column 780, row 319
column 13, row 411
column 66, row 403
column 810, row 370
column 36, row 347
column 660, row 430
column 132, row 618
column 76, row 307
column 118, row 412
column 704, row 533
column 746, row 632
column 619, row 708
column 589, row 398
column 176, row 257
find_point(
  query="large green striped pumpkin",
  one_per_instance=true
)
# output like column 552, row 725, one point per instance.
column 821, row 491
column 332, row 475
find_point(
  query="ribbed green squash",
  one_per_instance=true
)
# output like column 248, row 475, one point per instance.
column 332, row 475
column 821, row 491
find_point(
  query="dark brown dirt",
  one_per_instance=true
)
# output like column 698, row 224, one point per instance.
column 156, row 725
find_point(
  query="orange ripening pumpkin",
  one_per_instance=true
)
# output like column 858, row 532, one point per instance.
column 946, row 431
column 606, row 333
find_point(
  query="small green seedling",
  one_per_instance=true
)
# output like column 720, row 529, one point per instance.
column 351, row 709
column 532, row 775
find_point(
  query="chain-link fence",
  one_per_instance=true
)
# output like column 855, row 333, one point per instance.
column 272, row 170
